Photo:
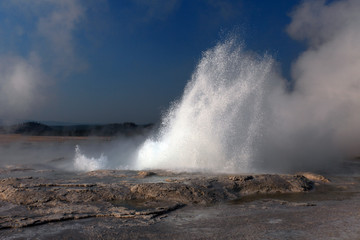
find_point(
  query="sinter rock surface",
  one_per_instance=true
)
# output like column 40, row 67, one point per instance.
column 40, row 198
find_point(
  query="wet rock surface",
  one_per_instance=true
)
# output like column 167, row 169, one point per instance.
column 44, row 197
column 110, row 204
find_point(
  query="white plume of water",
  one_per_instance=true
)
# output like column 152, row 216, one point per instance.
column 219, row 119
column 84, row 163
column 237, row 116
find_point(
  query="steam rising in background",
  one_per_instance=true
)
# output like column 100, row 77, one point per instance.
column 328, row 74
column 22, row 84
column 319, row 122
column 26, row 76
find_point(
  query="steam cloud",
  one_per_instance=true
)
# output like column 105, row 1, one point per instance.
column 318, row 123
column 21, row 82
column 328, row 74
column 23, row 78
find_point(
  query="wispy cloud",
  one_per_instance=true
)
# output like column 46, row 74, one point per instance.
column 50, row 52
column 55, row 23
column 318, row 22
column 22, row 84
column 57, row 28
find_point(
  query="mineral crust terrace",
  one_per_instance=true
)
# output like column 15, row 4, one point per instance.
column 40, row 198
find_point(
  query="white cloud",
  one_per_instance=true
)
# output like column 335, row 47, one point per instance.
column 328, row 74
column 21, row 85
column 318, row 22
column 24, row 77
column 318, row 123
column 57, row 28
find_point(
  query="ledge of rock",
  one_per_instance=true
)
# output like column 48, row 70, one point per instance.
column 28, row 201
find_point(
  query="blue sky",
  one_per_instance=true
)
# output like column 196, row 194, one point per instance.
column 103, row 61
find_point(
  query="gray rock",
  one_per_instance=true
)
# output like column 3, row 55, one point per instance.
column 28, row 201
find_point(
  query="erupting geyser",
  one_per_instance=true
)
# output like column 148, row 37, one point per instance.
column 84, row 163
column 219, row 118
column 237, row 116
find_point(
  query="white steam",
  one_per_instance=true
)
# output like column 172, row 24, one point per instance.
column 236, row 114
column 57, row 27
column 120, row 154
column 328, row 74
column 21, row 85
column 25, row 76
column 84, row 163
column 319, row 121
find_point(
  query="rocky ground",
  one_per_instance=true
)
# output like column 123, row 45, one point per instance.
column 112, row 204
column 40, row 199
